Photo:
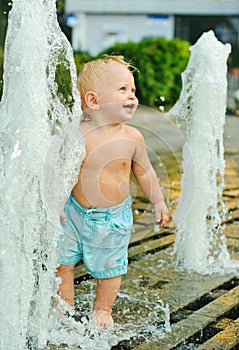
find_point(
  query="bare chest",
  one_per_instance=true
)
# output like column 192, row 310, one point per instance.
column 118, row 152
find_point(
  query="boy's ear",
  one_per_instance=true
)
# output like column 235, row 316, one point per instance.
column 91, row 100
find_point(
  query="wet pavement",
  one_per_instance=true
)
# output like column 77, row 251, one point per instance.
column 170, row 308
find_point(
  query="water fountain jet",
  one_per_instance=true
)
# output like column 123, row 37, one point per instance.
column 200, row 244
column 30, row 112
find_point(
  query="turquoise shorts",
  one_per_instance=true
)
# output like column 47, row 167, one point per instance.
column 98, row 236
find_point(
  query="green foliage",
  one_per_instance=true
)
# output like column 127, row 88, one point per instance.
column 160, row 62
column 60, row 5
column 63, row 77
column 80, row 59
column 64, row 85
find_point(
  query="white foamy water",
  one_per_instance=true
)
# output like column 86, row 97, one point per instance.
column 40, row 155
column 30, row 111
column 200, row 244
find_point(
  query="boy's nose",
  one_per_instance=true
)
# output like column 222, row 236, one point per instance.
column 134, row 99
column 132, row 95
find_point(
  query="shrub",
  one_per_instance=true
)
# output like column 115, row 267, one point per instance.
column 63, row 77
column 161, row 63
column 81, row 58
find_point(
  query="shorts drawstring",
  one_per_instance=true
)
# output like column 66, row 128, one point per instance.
column 105, row 213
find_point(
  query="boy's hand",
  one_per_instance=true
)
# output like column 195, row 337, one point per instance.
column 63, row 216
column 161, row 213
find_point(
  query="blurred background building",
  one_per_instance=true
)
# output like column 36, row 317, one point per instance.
column 97, row 24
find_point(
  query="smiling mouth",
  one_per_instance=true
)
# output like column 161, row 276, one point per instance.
column 130, row 106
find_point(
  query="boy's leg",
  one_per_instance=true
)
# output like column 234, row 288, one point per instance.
column 106, row 293
column 66, row 288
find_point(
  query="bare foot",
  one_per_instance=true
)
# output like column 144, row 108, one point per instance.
column 102, row 319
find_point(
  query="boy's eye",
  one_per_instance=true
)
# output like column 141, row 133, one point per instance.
column 123, row 88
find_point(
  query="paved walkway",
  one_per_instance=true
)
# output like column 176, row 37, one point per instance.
column 165, row 135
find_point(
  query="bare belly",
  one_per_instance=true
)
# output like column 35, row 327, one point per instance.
column 102, row 195
column 103, row 184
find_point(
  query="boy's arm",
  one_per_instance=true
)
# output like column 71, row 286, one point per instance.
column 148, row 181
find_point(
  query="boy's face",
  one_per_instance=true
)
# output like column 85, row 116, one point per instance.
column 116, row 93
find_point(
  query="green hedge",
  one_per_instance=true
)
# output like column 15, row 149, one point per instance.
column 81, row 58
column 160, row 62
column 63, row 77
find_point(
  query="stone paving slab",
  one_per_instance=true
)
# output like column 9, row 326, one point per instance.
column 227, row 339
column 177, row 288
column 153, row 245
column 195, row 322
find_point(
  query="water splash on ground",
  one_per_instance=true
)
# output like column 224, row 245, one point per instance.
column 136, row 317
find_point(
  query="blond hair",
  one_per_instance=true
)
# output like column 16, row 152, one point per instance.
column 91, row 71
